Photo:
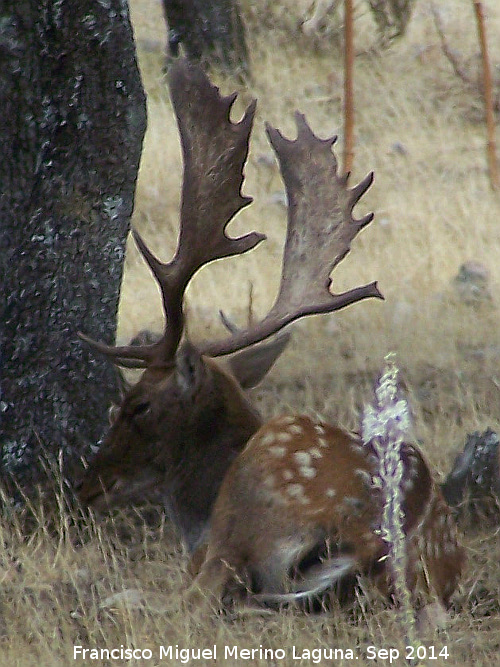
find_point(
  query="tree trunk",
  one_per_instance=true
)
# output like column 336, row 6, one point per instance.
column 211, row 33
column 72, row 124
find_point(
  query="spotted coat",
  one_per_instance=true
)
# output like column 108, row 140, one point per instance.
column 303, row 487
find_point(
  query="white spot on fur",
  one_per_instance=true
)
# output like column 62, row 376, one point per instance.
column 414, row 469
column 315, row 453
column 322, row 443
column 296, row 429
column 364, row 475
column 307, row 471
column 288, row 474
column 407, row 485
column 320, row 430
column 297, row 491
column 283, row 436
column 302, row 458
column 267, row 439
column 277, row 450
column 330, row 492
column 285, row 421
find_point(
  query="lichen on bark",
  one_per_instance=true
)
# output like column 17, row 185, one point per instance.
column 72, row 123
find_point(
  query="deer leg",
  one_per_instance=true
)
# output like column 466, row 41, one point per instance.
column 197, row 559
column 215, row 579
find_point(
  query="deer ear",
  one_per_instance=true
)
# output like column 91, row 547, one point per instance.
column 189, row 368
column 251, row 365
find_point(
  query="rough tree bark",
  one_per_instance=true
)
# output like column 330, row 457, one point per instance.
column 71, row 126
column 211, row 33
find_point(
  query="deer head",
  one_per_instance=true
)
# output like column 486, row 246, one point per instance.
column 298, row 514
column 182, row 424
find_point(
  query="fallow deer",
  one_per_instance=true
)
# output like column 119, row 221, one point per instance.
column 307, row 506
column 179, row 428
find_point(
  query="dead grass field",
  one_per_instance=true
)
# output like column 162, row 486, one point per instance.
column 420, row 129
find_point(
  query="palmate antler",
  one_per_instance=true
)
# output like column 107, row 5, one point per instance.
column 214, row 151
column 319, row 233
column 320, row 222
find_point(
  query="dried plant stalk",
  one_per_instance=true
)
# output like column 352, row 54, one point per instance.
column 348, row 85
column 488, row 98
column 448, row 52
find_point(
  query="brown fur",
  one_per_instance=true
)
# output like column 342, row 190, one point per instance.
column 172, row 441
column 300, row 488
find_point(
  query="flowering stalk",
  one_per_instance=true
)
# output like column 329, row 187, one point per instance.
column 385, row 427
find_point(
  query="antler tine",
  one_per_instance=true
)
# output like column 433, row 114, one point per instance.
column 128, row 356
column 320, row 230
column 215, row 151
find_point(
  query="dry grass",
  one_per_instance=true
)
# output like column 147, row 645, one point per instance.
column 417, row 127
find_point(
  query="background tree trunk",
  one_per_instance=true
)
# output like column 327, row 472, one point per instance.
column 72, row 123
column 211, row 33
